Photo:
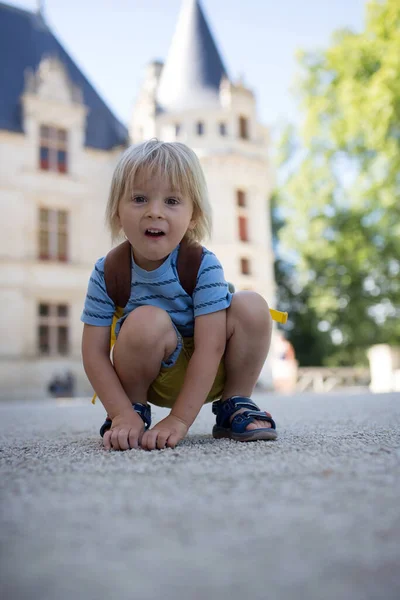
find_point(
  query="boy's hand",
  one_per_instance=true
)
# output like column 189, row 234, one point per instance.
column 167, row 433
column 125, row 433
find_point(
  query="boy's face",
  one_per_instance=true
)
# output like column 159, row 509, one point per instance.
column 154, row 218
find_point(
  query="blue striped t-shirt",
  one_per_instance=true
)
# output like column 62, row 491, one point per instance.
column 161, row 288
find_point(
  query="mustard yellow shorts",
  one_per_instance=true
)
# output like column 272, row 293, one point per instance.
column 165, row 388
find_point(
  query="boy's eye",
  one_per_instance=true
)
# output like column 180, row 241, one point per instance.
column 172, row 201
column 139, row 199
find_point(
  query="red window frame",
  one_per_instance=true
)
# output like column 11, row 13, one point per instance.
column 53, row 149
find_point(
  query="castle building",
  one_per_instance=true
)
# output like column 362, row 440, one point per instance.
column 59, row 144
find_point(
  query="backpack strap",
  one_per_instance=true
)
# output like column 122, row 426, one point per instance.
column 118, row 274
column 188, row 264
column 118, row 270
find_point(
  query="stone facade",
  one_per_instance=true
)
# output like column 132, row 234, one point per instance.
column 25, row 189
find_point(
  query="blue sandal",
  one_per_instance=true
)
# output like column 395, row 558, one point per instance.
column 236, row 430
column 143, row 411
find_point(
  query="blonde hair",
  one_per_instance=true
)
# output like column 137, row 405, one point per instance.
column 177, row 162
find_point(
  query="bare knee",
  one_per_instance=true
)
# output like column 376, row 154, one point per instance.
column 148, row 325
column 250, row 311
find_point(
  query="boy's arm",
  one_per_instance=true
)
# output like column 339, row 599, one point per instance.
column 127, row 426
column 100, row 371
column 98, row 311
column 209, row 343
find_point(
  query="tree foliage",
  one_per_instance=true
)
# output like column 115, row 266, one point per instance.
column 340, row 199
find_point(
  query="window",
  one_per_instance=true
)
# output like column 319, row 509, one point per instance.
column 200, row 128
column 245, row 266
column 241, row 198
column 53, row 149
column 53, row 234
column 243, row 230
column 177, row 129
column 53, row 329
column 243, row 128
column 222, row 129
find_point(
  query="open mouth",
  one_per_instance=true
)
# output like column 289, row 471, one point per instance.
column 154, row 233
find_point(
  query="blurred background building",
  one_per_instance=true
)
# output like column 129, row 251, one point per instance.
column 59, row 144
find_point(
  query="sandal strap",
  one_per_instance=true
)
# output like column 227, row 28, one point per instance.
column 240, row 421
column 143, row 410
column 224, row 410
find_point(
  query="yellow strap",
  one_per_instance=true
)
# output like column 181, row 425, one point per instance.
column 277, row 315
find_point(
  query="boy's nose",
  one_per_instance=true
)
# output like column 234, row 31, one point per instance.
column 155, row 210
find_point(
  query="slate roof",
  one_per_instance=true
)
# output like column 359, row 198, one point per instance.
column 194, row 68
column 24, row 39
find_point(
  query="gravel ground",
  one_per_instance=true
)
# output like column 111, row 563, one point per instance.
column 313, row 516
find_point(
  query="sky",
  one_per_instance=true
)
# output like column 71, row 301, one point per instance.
column 113, row 40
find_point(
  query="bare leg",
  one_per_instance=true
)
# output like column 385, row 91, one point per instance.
column 249, row 328
column 147, row 337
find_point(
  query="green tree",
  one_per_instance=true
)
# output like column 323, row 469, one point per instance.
column 311, row 345
column 340, row 199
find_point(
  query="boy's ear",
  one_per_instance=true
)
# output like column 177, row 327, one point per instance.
column 193, row 221
column 192, row 224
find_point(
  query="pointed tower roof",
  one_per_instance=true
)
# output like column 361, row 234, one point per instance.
column 194, row 68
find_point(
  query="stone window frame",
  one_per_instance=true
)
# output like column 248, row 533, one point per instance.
column 53, row 149
column 53, row 328
column 53, row 234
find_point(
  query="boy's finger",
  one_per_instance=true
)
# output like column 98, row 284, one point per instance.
column 151, row 439
column 133, row 439
column 123, row 441
column 143, row 440
column 114, row 439
column 172, row 440
column 140, row 438
column 162, row 439
column 106, row 440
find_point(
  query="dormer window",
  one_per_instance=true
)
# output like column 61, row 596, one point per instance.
column 53, row 149
column 243, row 128
column 200, row 128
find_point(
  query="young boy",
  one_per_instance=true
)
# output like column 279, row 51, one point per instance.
column 172, row 349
